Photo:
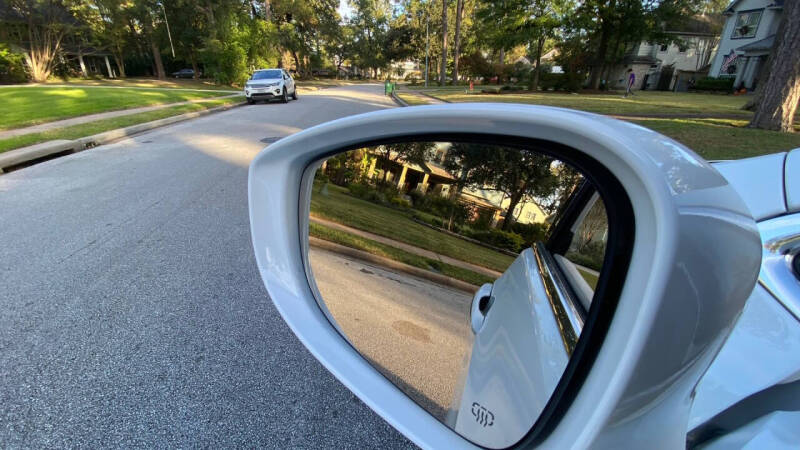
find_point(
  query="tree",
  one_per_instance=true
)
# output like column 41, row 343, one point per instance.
column 370, row 20
column 457, row 43
column 443, row 69
column 613, row 26
column 778, row 95
column 44, row 24
column 520, row 175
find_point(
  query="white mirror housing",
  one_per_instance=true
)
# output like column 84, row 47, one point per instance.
column 695, row 258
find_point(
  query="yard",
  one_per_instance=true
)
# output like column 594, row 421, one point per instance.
column 99, row 126
column 25, row 106
column 333, row 203
column 713, row 125
column 613, row 103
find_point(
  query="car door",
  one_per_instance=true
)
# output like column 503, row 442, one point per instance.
column 289, row 82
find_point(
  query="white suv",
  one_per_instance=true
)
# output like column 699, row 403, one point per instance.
column 267, row 84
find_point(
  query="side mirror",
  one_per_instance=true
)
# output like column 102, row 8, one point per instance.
column 392, row 245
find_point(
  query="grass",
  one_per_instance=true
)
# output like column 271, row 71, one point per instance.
column 712, row 138
column 25, row 106
column 143, row 82
column 644, row 102
column 412, row 100
column 333, row 203
column 387, row 251
column 88, row 129
column 590, row 278
column 716, row 139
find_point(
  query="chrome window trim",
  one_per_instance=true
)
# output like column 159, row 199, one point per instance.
column 566, row 309
column 780, row 239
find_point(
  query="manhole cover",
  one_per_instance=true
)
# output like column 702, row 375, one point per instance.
column 270, row 139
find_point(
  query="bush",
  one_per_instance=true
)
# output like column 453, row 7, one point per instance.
column 226, row 62
column 400, row 202
column 714, row 84
column 440, row 206
column 590, row 256
column 570, row 82
column 499, row 238
column 12, row 66
column 530, row 232
column 358, row 190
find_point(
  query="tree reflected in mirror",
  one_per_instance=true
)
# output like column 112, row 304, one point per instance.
column 430, row 258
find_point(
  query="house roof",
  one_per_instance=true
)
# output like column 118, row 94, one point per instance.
column 762, row 45
column 702, row 25
column 731, row 9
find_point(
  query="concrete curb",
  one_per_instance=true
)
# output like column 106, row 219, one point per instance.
column 432, row 97
column 392, row 264
column 31, row 153
column 398, row 100
column 22, row 155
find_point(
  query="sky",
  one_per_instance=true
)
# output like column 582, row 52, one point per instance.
column 344, row 8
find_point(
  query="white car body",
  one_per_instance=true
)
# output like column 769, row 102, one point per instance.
column 280, row 86
column 667, row 365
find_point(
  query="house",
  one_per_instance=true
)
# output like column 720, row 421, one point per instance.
column 431, row 177
column 671, row 66
column 747, row 40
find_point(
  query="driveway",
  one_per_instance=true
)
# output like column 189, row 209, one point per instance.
column 131, row 309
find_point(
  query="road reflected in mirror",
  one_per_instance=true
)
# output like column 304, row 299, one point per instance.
column 430, row 258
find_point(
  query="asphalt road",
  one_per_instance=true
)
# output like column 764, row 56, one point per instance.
column 131, row 310
column 416, row 332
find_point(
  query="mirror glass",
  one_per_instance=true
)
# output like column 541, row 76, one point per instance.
column 432, row 260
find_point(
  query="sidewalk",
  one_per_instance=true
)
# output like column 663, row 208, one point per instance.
column 99, row 116
column 407, row 247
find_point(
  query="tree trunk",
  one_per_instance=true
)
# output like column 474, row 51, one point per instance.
column 602, row 49
column 537, row 70
column 512, row 205
column 443, row 69
column 81, row 63
column 457, row 43
column 159, row 65
column 193, row 60
column 267, row 10
column 600, row 62
column 779, row 93
column 119, row 60
column 296, row 62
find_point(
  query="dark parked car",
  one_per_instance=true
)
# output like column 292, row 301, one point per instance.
column 184, row 73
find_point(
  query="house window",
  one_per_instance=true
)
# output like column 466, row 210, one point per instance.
column 746, row 24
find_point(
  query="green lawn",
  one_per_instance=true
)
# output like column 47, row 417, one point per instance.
column 387, row 251
column 717, row 139
column 412, row 100
column 710, row 137
column 333, row 203
column 88, row 129
column 644, row 102
column 25, row 106
column 590, row 278
column 144, row 82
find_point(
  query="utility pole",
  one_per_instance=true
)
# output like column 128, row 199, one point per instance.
column 168, row 33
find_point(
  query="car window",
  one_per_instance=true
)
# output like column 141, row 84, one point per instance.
column 584, row 259
column 266, row 74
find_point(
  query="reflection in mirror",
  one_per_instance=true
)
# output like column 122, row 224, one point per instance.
column 430, row 259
